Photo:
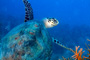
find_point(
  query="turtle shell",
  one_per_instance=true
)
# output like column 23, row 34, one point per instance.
column 28, row 41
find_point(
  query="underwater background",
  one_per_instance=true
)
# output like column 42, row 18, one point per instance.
column 73, row 15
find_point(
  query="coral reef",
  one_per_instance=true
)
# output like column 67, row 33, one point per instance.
column 88, row 49
column 78, row 54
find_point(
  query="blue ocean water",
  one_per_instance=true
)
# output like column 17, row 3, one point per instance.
column 73, row 15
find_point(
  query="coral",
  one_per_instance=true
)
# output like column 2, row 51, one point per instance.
column 78, row 54
column 88, row 49
column 88, row 40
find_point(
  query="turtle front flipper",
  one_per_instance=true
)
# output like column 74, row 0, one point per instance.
column 60, row 44
column 28, row 11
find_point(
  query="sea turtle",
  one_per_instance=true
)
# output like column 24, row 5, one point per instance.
column 30, row 40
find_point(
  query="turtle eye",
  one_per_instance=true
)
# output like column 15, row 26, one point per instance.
column 55, row 21
column 49, row 20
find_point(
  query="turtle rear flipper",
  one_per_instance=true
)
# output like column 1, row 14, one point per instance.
column 28, row 11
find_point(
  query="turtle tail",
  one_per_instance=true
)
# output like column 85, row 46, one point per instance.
column 60, row 44
column 28, row 11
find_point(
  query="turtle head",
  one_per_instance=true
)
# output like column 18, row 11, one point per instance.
column 50, row 22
